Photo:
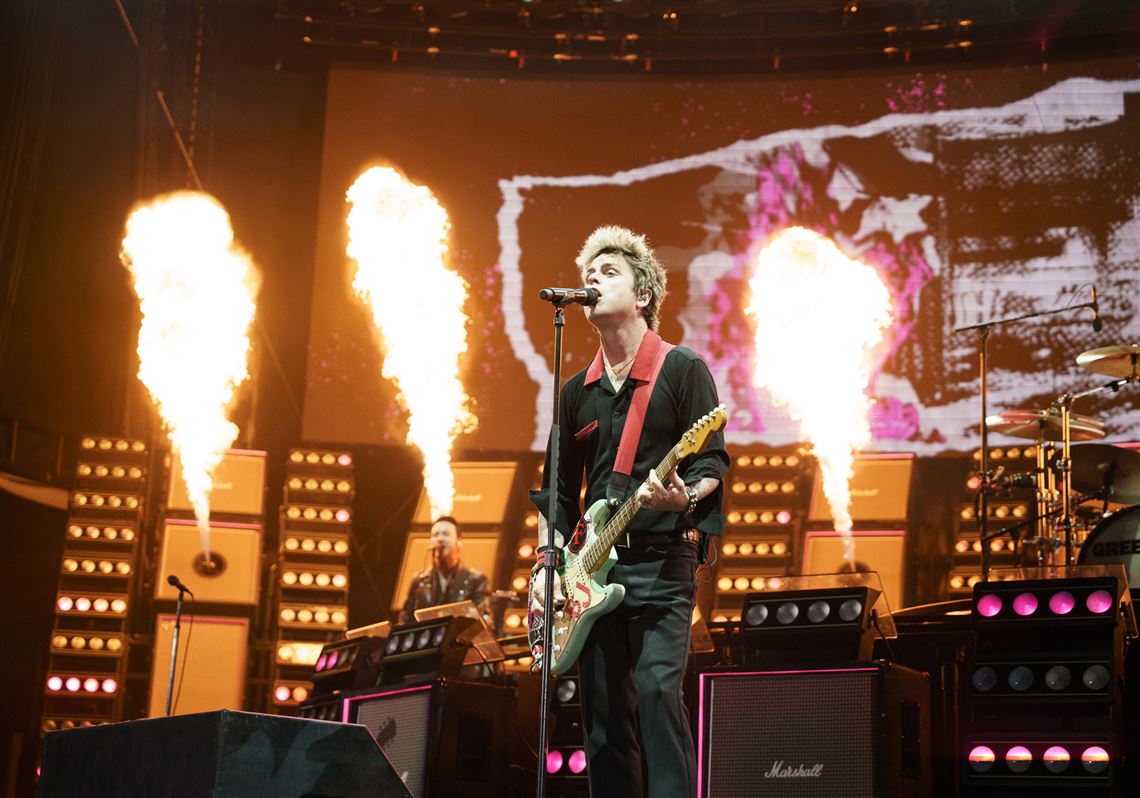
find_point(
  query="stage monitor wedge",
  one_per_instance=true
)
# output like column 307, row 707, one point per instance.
column 218, row 754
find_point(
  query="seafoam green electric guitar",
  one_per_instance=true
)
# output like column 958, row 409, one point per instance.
column 591, row 555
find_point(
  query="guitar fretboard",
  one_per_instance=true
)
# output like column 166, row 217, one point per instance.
column 598, row 549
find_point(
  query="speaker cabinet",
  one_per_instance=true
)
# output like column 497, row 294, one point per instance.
column 230, row 577
column 880, row 489
column 881, row 551
column 482, row 491
column 860, row 731
column 443, row 737
column 238, row 487
column 217, row 754
column 477, row 550
column 211, row 664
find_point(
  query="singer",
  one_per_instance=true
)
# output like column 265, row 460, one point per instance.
column 447, row 580
column 633, row 661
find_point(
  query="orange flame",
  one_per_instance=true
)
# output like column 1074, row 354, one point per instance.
column 820, row 318
column 196, row 290
column 398, row 237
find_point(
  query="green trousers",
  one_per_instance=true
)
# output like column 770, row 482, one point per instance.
column 638, row 739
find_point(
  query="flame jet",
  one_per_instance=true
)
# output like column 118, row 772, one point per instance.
column 196, row 289
column 820, row 318
column 397, row 234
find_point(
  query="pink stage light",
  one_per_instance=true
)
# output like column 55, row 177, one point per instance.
column 334, row 658
column 345, row 460
column 55, row 684
column 1099, row 602
column 321, row 662
column 65, row 604
column 282, row 693
column 783, row 517
column 91, row 685
column 1056, row 758
column 1018, row 759
column 1025, row 604
column 553, row 762
column 578, row 761
column 83, row 604
column 110, row 686
column 73, row 684
column 342, row 516
column 981, row 758
column 1095, row 759
column 989, row 605
column 1062, row 603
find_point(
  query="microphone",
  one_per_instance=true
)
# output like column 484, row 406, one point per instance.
column 562, row 296
column 174, row 581
column 1097, row 324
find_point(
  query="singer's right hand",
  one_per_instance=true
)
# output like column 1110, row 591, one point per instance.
column 538, row 590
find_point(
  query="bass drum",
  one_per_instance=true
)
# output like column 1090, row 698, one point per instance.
column 1116, row 539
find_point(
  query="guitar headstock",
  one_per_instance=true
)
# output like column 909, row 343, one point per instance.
column 698, row 435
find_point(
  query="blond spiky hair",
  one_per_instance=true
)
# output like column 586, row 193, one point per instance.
column 648, row 273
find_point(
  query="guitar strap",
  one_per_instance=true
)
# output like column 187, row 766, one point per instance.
column 631, row 434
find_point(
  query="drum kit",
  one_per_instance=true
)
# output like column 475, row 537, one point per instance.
column 1087, row 497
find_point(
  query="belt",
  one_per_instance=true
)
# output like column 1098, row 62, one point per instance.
column 632, row 541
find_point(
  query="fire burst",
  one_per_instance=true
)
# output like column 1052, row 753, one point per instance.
column 196, row 291
column 398, row 237
column 820, row 318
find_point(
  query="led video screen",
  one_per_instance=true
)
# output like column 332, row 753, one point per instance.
column 975, row 194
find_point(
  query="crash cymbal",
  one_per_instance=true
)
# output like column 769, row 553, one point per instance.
column 1112, row 361
column 1044, row 425
column 1094, row 462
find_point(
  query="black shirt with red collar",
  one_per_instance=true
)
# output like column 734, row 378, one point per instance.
column 592, row 418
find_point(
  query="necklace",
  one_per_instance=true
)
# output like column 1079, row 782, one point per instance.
column 616, row 371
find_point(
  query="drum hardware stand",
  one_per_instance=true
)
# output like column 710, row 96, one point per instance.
column 1064, row 464
column 983, row 330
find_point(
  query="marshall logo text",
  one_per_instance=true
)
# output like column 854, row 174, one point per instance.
column 781, row 771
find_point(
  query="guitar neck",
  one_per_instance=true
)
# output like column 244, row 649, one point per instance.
column 620, row 520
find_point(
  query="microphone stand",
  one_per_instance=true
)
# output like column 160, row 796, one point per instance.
column 983, row 330
column 549, row 558
column 174, row 649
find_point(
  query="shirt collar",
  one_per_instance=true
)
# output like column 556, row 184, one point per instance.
column 642, row 368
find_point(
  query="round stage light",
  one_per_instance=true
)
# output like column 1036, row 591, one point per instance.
column 818, row 611
column 1095, row 759
column 566, row 690
column 984, row 679
column 1099, row 602
column 109, row 686
column 1062, row 602
column 1095, row 677
column 1025, row 604
column 1020, row 678
column 787, row 612
column 756, row 614
column 1058, row 677
column 1018, row 759
column 554, row 761
column 577, row 761
column 55, row 684
column 73, row 684
column 981, row 758
column 989, row 605
column 1056, row 759
column 850, row 609
column 91, row 684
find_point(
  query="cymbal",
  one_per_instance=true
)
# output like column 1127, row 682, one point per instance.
column 1045, row 425
column 1112, row 361
column 1093, row 461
